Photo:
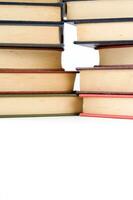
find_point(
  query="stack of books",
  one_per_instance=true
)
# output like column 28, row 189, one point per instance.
column 32, row 81
column 107, row 25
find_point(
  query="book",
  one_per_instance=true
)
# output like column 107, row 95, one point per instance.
column 48, row 12
column 36, row 81
column 82, row 10
column 32, row 1
column 106, row 80
column 107, row 106
column 92, row 33
column 30, row 58
column 39, row 105
column 31, row 34
column 116, row 56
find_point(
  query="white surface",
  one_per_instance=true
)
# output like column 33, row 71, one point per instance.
column 68, row 158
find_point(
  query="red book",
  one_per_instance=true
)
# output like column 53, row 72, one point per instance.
column 107, row 106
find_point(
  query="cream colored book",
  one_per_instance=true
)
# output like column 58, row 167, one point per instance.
column 39, row 105
column 101, row 9
column 107, row 106
column 30, row 12
column 36, row 81
column 106, row 80
column 102, row 31
column 32, row 1
column 30, row 34
column 30, row 58
column 116, row 55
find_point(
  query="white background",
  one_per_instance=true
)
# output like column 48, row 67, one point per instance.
column 67, row 158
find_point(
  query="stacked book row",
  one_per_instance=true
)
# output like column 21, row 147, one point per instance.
column 106, row 25
column 32, row 80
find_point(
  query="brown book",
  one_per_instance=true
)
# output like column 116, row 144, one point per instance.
column 30, row 12
column 39, row 105
column 106, row 80
column 80, row 10
column 107, row 106
column 36, row 81
column 30, row 34
column 30, row 58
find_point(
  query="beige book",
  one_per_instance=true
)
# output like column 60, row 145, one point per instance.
column 116, row 55
column 113, row 106
column 28, row 12
column 29, row 34
column 101, row 9
column 36, row 81
column 103, row 31
column 39, row 105
column 33, row 1
column 106, row 80
column 24, row 58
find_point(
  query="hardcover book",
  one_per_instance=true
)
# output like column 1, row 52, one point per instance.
column 92, row 33
column 30, row 58
column 39, row 105
column 116, row 55
column 106, row 80
column 107, row 106
column 82, row 10
column 31, row 34
column 37, row 12
column 32, row 1
column 36, row 81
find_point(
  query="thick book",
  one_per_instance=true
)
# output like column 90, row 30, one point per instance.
column 35, row 12
column 99, row 32
column 82, row 10
column 107, row 106
column 116, row 55
column 36, row 81
column 39, row 105
column 31, row 34
column 30, row 58
column 106, row 80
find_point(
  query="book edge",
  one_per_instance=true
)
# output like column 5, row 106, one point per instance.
column 105, row 95
column 106, row 116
